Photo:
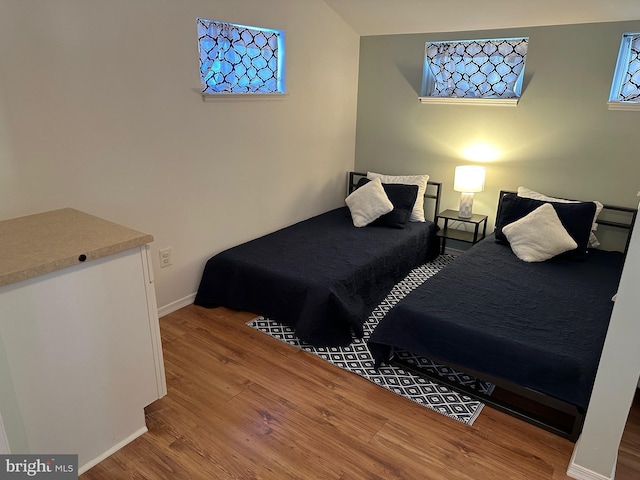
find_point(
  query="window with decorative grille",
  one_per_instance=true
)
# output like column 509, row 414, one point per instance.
column 474, row 69
column 625, row 88
column 240, row 59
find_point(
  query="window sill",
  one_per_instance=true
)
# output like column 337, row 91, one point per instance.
column 212, row 97
column 492, row 102
column 624, row 105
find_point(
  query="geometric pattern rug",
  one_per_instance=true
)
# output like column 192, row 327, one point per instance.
column 357, row 359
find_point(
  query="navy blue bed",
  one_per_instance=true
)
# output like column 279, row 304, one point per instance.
column 533, row 329
column 322, row 276
column 537, row 325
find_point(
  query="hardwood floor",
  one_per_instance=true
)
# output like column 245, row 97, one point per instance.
column 242, row 405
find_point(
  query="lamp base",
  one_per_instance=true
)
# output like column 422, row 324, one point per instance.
column 466, row 205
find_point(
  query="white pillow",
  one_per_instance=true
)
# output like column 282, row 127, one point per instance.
column 417, row 214
column 539, row 236
column 528, row 193
column 368, row 203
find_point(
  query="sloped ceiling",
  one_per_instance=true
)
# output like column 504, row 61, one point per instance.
column 386, row 17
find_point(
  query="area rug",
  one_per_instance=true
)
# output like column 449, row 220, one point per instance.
column 357, row 359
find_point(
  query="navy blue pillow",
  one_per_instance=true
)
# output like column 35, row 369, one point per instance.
column 403, row 198
column 577, row 218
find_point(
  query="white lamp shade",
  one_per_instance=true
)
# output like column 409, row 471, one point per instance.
column 469, row 178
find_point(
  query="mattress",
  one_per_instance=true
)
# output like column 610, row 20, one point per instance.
column 537, row 325
column 322, row 276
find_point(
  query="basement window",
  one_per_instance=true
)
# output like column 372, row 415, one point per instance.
column 239, row 59
column 484, row 72
column 625, row 87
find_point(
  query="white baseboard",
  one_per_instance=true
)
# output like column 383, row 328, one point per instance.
column 177, row 305
column 111, row 451
column 582, row 473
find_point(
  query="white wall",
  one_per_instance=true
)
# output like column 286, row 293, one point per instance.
column 4, row 442
column 100, row 110
column 596, row 452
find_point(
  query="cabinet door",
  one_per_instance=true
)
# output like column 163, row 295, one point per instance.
column 78, row 347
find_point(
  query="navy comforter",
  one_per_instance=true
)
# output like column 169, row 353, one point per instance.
column 538, row 325
column 322, row 276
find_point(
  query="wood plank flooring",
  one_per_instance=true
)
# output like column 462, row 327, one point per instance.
column 242, row 405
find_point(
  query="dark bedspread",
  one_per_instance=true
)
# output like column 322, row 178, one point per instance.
column 538, row 325
column 322, row 276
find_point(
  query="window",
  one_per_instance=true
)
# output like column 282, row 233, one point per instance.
column 625, row 88
column 470, row 70
column 240, row 59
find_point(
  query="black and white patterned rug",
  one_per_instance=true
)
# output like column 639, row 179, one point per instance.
column 356, row 357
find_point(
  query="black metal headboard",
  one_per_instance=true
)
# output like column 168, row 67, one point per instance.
column 432, row 193
column 628, row 216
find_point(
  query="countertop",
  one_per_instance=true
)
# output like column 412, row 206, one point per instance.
column 45, row 242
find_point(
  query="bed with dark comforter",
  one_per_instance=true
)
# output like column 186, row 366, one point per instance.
column 322, row 276
column 539, row 325
column 534, row 327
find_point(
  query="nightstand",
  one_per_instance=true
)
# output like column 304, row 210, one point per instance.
column 461, row 235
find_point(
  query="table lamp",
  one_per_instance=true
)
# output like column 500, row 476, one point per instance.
column 468, row 180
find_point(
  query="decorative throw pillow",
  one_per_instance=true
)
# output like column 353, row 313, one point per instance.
column 368, row 203
column 539, row 235
column 576, row 218
column 528, row 193
column 417, row 213
column 403, row 198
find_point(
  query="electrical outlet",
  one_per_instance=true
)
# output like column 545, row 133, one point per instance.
column 166, row 257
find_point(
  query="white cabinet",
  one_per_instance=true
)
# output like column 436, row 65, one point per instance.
column 80, row 355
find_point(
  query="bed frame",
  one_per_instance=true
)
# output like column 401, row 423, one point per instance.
column 432, row 193
column 322, row 275
column 612, row 216
column 561, row 418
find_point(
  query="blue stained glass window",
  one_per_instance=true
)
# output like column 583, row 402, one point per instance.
column 475, row 68
column 625, row 87
column 240, row 59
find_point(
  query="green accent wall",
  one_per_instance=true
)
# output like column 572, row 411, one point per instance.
column 561, row 139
